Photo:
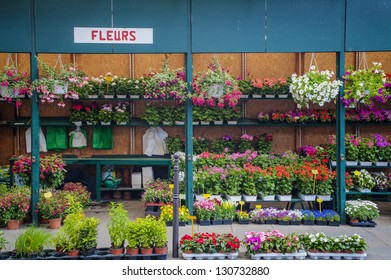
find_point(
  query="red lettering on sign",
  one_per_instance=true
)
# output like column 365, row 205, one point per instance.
column 94, row 34
column 100, row 36
column 117, row 35
column 124, row 35
column 132, row 35
column 109, row 35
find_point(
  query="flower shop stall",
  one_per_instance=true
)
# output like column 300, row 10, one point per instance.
column 331, row 29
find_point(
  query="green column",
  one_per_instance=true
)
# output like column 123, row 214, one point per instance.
column 34, row 122
column 189, row 138
column 341, row 167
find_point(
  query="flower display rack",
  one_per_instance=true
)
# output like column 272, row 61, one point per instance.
column 336, row 256
column 301, row 255
column 208, row 256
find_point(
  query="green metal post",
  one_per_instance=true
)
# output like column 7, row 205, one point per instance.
column 341, row 167
column 189, row 139
column 34, row 122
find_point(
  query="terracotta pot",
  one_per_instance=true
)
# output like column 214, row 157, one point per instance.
column 146, row 251
column 55, row 223
column 13, row 224
column 132, row 251
column 161, row 251
column 116, row 251
column 73, row 253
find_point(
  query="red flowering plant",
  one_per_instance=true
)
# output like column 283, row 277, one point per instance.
column 52, row 204
column 278, row 117
column 283, row 179
column 14, row 84
column 15, row 204
column 78, row 112
column 210, row 243
column 52, row 170
column 215, row 87
column 79, row 192
column 270, row 86
column 91, row 113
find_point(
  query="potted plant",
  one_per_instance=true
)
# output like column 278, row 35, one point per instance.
column 32, row 242
column 184, row 215
column 314, row 87
column 132, row 237
column 364, row 86
column 242, row 217
column 136, row 87
column 88, row 234
column 105, row 114
column 245, row 143
column 14, row 84
column 332, row 218
column 92, row 113
column 363, row 180
column 204, row 210
column 366, row 152
column 215, row 87
column 232, row 115
column 308, row 217
column 228, row 211
column 14, row 206
column 120, row 114
column 167, row 115
column 266, row 185
column 160, row 237
column 151, row 115
column 245, row 86
column 67, row 238
column 179, row 115
column 147, row 229
column 52, row 206
column 168, row 83
column 58, row 84
column 361, row 211
column 77, row 113
column 351, row 149
column 174, row 144
column 118, row 219
column 122, row 87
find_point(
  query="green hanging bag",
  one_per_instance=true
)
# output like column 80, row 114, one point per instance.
column 102, row 138
column 56, row 138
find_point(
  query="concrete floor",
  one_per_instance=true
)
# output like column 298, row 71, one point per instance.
column 378, row 238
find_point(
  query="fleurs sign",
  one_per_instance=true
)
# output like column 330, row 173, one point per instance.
column 97, row 35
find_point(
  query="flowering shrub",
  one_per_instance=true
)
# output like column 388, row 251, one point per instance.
column 245, row 143
column 105, row 113
column 362, row 210
column 92, row 113
column 314, row 86
column 15, row 204
column 204, row 209
column 78, row 112
column 79, row 193
column 52, row 206
column 168, row 83
column 52, row 170
column 215, row 87
column 365, row 86
column 270, row 241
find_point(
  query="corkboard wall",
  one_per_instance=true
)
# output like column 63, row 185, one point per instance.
column 258, row 65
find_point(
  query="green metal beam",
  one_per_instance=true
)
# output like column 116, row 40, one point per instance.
column 34, row 123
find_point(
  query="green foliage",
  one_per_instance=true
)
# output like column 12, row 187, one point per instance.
column 88, row 233
column 3, row 241
column 132, row 234
column 174, row 144
column 151, row 115
column 118, row 220
column 32, row 241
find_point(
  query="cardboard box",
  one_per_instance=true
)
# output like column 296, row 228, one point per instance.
column 147, row 175
column 136, row 180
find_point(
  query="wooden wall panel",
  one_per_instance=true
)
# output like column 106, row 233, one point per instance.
column 230, row 61
column 275, row 65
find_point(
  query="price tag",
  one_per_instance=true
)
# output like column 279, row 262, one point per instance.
column 192, row 218
column 259, row 206
column 206, row 195
column 171, row 186
column 314, row 171
column 319, row 200
column 48, row 195
column 357, row 173
column 241, row 203
column 109, row 78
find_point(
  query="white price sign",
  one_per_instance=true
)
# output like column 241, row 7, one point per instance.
column 94, row 35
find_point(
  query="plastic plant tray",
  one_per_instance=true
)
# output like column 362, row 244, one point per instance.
column 206, row 256
column 336, row 256
column 279, row 256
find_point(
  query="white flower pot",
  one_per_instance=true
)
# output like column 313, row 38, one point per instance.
column 199, row 197
column 122, row 123
column 362, row 189
column 91, row 123
column 121, row 95
column 324, row 197
column 365, row 163
column 333, row 163
column 270, row 197
column 92, row 96
column 205, row 123
column 283, row 95
column 284, row 197
column 307, row 197
column 257, row 96
column 270, row 95
column 179, row 122
column 232, row 122
column 249, row 198
column 218, row 122
column 244, row 96
column 79, row 123
column 134, row 96
column 109, row 96
column 234, row 197
column 381, row 163
column 351, row 163
column 105, row 123
column 166, row 123
column 196, row 123
column 60, row 89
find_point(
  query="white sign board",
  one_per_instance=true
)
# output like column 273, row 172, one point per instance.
column 96, row 35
